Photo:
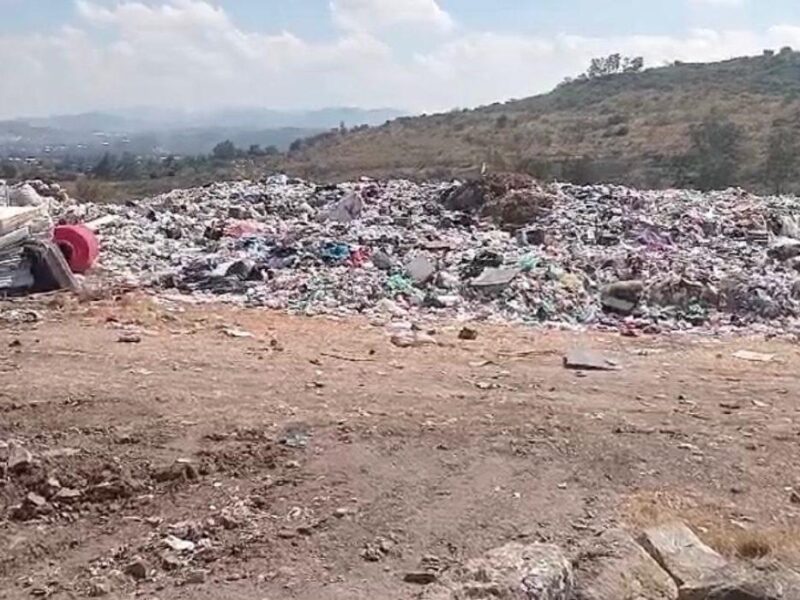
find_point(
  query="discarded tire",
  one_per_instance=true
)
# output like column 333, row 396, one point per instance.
column 79, row 246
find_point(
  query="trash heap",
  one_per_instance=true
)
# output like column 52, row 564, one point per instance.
column 505, row 249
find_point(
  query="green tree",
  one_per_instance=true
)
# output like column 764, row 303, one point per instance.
column 781, row 161
column 613, row 64
column 715, row 154
column 225, row 150
column 8, row 171
column 105, row 168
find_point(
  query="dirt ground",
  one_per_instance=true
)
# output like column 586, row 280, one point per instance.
column 317, row 460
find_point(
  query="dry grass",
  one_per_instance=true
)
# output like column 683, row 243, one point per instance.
column 708, row 519
column 657, row 110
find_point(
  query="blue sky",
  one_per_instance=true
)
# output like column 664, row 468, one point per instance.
column 75, row 55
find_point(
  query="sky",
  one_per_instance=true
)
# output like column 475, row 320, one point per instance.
column 69, row 56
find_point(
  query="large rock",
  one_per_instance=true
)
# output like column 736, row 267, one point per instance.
column 745, row 582
column 515, row 572
column 622, row 296
column 681, row 553
column 615, row 567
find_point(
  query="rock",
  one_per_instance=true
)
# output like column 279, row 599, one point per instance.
column 35, row 500
column 617, row 305
column 516, row 572
column 420, row 577
column 587, row 360
column 51, row 487
column 622, row 297
column 67, row 495
column 382, row 261
column 784, row 249
column 413, row 339
column 794, row 497
column 179, row 545
column 630, row 290
column 468, row 334
column 175, row 472
column 137, row 570
column 170, row 562
column 196, row 577
column 616, row 567
column 420, row 270
column 494, row 280
column 681, row 553
column 129, row 338
column 19, row 459
column 99, row 587
column 744, row 582
column 109, row 491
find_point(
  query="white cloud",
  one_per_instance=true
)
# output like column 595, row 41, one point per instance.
column 375, row 14
column 191, row 54
column 717, row 2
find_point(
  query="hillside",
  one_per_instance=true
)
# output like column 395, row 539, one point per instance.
column 628, row 127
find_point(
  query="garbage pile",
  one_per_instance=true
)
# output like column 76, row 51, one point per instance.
column 500, row 249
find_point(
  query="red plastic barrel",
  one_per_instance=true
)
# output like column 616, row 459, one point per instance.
column 79, row 246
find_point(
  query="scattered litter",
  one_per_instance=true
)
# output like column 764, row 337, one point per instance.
column 587, row 360
column 237, row 333
column 295, row 436
column 347, row 358
column 754, row 356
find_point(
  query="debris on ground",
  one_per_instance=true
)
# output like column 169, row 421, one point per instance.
column 505, row 248
column 753, row 356
column 588, row 360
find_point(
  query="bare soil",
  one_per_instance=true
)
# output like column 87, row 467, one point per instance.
column 317, row 460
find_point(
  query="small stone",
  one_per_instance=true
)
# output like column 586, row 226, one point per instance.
column 67, row 495
column 129, row 338
column 179, row 545
column 420, row 577
column 99, row 587
column 35, row 500
column 468, row 334
column 19, row 459
column 52, row 486
column 794, row 497
column 382, row 261
column 196, row 577
column 228, row 522
column 170, row 562
column 137, row 570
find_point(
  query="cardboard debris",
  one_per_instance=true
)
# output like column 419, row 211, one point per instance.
column 588, row 360
column 754, row 356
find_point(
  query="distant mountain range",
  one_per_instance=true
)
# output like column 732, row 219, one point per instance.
column 152, row 131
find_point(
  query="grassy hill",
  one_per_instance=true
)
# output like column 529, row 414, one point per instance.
column 627, row 128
